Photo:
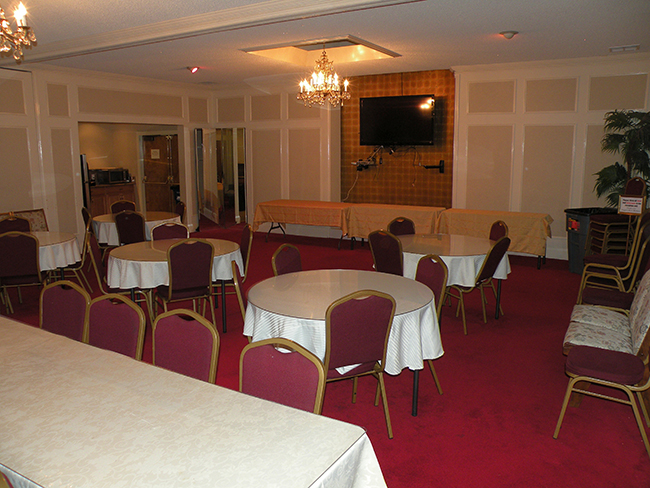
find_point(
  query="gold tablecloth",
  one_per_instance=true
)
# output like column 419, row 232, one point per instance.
column 365, row 218
column 527, row 231
column 302, row 212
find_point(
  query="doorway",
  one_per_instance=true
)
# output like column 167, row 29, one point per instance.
column 160, row 172
column 228, row 166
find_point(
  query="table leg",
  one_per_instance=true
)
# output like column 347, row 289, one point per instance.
column 416, row 385
column 223, row 304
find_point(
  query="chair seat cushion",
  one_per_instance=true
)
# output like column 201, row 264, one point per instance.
column 616, row 260
column 584, row 334
column 613, row 366
column 602, row 317
column 607, row 297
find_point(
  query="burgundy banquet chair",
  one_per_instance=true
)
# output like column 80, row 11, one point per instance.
column 498, row 229
column 386, row 252
column 170, row 230
column 14, row 223
column 186, row 343
column 286, row 259
column 63, row 306
column 121, row 205
column 19, row 264
column 357, row 328
column 292, row 376
column 115, row 323
column 130, row 227
column 400, row 226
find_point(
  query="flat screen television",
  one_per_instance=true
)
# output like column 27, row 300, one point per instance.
column 397, row 121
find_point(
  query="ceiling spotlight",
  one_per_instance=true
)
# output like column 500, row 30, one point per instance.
column 193, row 69
column 509, row 34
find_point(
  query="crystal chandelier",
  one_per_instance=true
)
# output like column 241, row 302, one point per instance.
column 324, row 85
column 13, row 42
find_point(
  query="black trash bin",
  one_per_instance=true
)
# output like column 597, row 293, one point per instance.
column 577, row 228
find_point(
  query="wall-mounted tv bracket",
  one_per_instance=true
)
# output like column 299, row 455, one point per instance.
column 440, row 167
column 370, row 161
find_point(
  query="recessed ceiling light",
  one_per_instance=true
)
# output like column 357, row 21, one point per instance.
column 193, row 69
column 624, row 49
column 509, row 34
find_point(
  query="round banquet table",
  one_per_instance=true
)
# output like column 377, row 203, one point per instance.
column 463, row 255
column 106, row 230
column 294, row 305
column 144, row 265
column 57, row 249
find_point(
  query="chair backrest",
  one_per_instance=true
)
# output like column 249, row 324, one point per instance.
column 386, row 252
column 492, row 260
column 170, row 230
column 115, row 323
column 4, row 481
column 245, row 247
column 640, row 315
column 292, row 376
column 286, row 259
column 432, row 271
column 130, row 227
column 357, row 329
column 63, row 306
column 186, row 343
column 121, row 205
column 400, row 226
column 498, row 230
column 180, row 210
column 85, row 213
column 190, row 268
column 96, row 259
column 19, row 258
column 13, row 223
column 635, row 187
column 238, row 290
column 638, row 264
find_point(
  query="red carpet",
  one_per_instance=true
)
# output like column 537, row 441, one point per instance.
column 503, row 386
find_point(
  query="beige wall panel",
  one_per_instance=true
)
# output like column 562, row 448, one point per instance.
column 231, row 109
column 618, row 92
column 551, row 95
column 548, row 159
column 96, row 142
column 15, row 184
column 492, row 97
column 99, row 101
column 489, row 162
column 595, row 160
column 266, row 165
column 64, row 186
column 11, row 97
column 57, row 100
column 266, row 107
column 198, row 110
column 298, row 110
column 304, row 164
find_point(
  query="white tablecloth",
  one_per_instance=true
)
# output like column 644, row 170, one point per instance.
column 57, row 250
column 294, row 305
column 106, row 230
column 78, row 416
column 144, row 264
column 463, row 255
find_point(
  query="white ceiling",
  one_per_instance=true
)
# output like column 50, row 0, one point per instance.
column 156, row 39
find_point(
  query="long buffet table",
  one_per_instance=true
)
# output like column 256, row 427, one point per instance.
column 77, row 416
column 527, row 231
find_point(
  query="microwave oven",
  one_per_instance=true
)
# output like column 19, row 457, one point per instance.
column 110, row 176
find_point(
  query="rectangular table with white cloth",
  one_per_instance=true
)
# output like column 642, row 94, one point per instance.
column 144, row 265
column 106, row 230
column 77, row 416
column 364, row 218
column 293, row 306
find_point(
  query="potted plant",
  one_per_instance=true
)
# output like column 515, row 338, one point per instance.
column 627, row 132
